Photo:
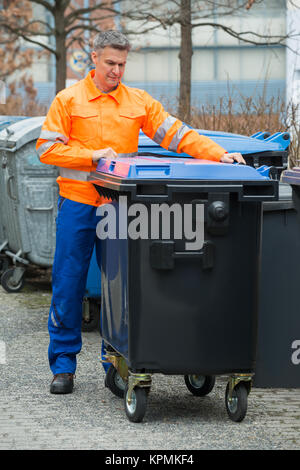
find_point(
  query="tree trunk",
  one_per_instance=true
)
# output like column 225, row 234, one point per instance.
column 60, row 47
column 185, row 57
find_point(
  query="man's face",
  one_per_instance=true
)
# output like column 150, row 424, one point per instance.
column 109, row 67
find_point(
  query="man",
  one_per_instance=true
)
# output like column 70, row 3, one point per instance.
column 95, row 118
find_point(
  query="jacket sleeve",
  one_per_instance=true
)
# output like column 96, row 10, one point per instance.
column 171, row 134
column 52, row 145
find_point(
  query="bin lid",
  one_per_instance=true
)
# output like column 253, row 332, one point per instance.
column 284, row 202
column 7, row 120
column 20, row 133
column 285, row 192
column 291, row 176
column 257, row 143
column 151, row 167
column 150, row 178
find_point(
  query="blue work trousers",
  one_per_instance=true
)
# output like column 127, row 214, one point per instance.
column 75, row 240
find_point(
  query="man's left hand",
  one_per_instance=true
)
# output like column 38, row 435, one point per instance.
column 232, row 157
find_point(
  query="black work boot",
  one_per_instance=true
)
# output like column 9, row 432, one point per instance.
column 62, row 383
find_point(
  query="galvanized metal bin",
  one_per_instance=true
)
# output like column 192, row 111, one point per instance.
column 28, row 200
column 28, row 209
column 5, row 122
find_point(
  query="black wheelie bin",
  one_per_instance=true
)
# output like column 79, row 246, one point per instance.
column 292, row 177
column 278, row 345
column 180, row 274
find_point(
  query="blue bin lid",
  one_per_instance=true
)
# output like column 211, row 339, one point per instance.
column 291, row 176
column 258, row 143
column 150, row 167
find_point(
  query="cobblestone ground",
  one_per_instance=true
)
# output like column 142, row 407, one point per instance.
column 92, row 418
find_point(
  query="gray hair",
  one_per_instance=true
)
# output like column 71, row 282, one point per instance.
column 111, row 38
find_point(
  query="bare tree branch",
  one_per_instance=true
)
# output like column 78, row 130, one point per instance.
column 78, row 12
column 249, row 4
column 271, row 40
column 32, row 41
column 45, row 4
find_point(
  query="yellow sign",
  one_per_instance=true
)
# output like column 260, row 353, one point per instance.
column 78, row 61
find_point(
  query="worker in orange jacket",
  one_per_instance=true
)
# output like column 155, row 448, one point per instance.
column 97, row 117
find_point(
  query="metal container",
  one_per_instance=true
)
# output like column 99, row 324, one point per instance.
column 29, row 194
column 5, row 121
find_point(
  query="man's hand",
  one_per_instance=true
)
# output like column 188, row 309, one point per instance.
column 104, row 153
column 232, row 157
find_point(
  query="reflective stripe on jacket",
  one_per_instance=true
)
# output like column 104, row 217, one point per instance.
column 82, row 119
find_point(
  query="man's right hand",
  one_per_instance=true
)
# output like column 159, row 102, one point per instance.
column 104, row 153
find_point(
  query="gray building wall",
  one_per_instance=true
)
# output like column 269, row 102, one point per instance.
column 222, row 65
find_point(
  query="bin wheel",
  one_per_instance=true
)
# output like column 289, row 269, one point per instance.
column 91, row 321
column 4, row 264
column 237, row 407
column 114, row 382
column 136, row 410
column 8, row 283
column 200, row 385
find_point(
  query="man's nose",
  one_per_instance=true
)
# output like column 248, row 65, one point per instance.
column 116, row 69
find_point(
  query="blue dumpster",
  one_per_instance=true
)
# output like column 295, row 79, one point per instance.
column 175, row 304
column 93, row 284
column 258, row 150
column 92, row 299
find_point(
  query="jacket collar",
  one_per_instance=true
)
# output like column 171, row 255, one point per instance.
column 93, row 91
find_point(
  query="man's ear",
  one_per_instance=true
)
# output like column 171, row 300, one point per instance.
column 94, row 57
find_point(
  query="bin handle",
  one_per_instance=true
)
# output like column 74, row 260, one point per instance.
column 50, row 208
column 163, row 255
column 9, row 189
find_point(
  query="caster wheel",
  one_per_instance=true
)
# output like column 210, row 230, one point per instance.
column 200, row 385
column 114, row 382
column 8, row 283
column 136, row 409
column 4, row 264
column 237, row 407
column 91, row 319
column 248, row 386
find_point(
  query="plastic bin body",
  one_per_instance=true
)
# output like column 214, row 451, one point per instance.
column 189, row 313
column 278, row 349
column 93, row 283
column 292, row 177
column 29, row 194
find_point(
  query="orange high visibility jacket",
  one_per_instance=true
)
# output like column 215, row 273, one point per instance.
column 82, row 119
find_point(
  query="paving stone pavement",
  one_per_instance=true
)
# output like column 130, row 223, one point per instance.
column 93, row 418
